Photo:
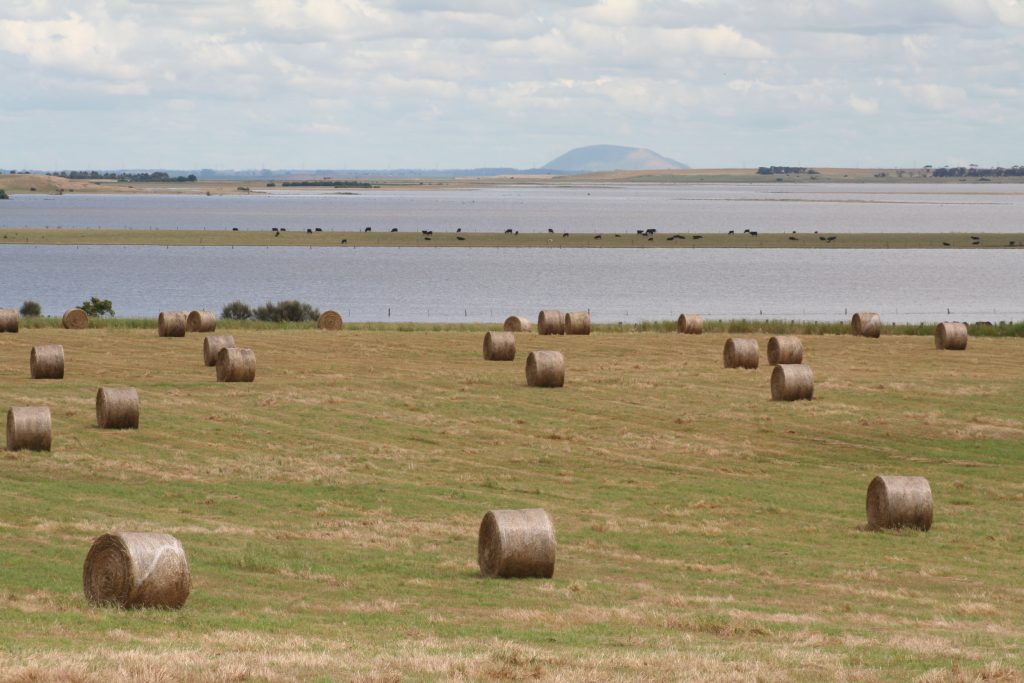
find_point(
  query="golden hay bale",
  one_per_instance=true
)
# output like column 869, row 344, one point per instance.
column 75, row 319
column 895, row 502
column 867, row 325
column 515, row 323
column 785, row 350
column 550, row 322
column 9, row 320
column 236, row 365
column 117, row 408
column 330, row 321
column 172, row 324
column 201, row 321
column 29, row 428
column 951, row 336
column 212, row 346
column 499, row 346
column 741, row 353
column 577, row 323
column 47, row 361
column 792, row 383
column 517, row 544
column 135, row 569
column 545, row 369
column 689, row 323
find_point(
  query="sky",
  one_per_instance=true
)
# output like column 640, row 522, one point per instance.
column 188, row 84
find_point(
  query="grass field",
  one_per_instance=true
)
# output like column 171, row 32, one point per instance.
column 330, row 509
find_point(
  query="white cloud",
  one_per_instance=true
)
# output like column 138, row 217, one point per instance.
column 863, row 105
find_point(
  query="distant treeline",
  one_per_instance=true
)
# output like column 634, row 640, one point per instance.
column 326, row 183
column 975, row 172
column 773, row 170
column 155, row 177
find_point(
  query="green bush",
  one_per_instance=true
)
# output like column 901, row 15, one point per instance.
column 97, row 308
column 3, row 194
column 286, row 311
column 31, row 309
column 236, row 310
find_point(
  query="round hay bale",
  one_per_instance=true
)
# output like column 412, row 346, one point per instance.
column 9, row 320
column 517, row 544
column 550, row 322
column 785, row 350
column 212, row 346
column 201, row 321
column 951, row 336
column 545, row 369
column 689, row 323
column 792, row 383
column 236, row 365
column 895, row 502
column 117, row 408
column 29, row 428
column 172, row 324
column 75, row 319
column 134, row 569
column 330, row 321
column 515, row 323
column 499, row 346
column 577, row 323
column 741, row 353
column 47, row 361
column 867, row 325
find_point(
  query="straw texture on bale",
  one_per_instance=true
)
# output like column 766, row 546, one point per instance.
column 741, row 353
column 499, row 346
column 47, row 361
column 577, row 323
column 9, row 320
column 172, row 324
column 135, row 569
column 867, row 325
column 895, row 502
column 792, row 383
column 117, row 408
column 201, row 321
column 550, row 322
column 330, row 321
column 75, row 319
column 785, row 350
column 29, row 428
column 236, row 365
column 545, row 369
column 515, row 323
column 951, row 336
column 689, row 323
column 517, row 544
column 212, row 346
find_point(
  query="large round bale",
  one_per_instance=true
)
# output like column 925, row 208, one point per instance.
column 741, row 353
column 517, row 544
column 895, row 502
column 689, row 323
column 172, row 324
column 515, row 323
column 117, row 408
column 9, row 320
column 236, row 365
column 47, row 361
column 577, row 322
column 785, row 350
column 550, row 322
column 792, row 383
column 135, row 569
column 212, row 346
column 75, row 319
column 951, row 336
column 201, row 321
column 867, row 325
column 330, row 321
column 545, row 369
column 29, row 428
column 499, row 346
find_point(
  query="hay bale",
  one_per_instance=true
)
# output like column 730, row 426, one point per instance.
column 689, row 323
column 545, row 369
column 75, row 319
column 134, row 569
column 330, row 321
column 550, row 322
column 9, row 320
column 867, row 325
column 117, row 408
column 499, row 346
column 741, row 353
column 201, row 321
column 951, row 336
column 515, row 323
column 212, row 346
column 47, row 361
column 516, row 544
column 895, row 502
column 172, row 323
column 29, row 428
column 792, row 383
column 577, row 323
column 785, row 350
column 236, row 365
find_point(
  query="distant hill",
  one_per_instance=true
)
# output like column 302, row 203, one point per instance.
column 597, row 158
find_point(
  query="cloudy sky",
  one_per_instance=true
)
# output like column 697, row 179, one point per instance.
column 442, row 83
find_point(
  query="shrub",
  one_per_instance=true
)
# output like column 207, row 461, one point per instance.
column 3, row 194
column 31, row 309
column 286, row 311
column 96, row 307
column 236, row 310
